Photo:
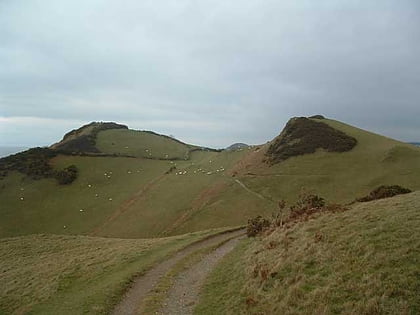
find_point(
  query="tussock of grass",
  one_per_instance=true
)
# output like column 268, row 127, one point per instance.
column 59, row 274
column 362, row 261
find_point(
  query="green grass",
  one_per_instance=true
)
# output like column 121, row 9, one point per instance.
column 170, row 201
column 361, row 261
column 48, row 207
column 141, row 144
column 340, row 177
column 61, row 274
column 205, row 195
column 222, row 292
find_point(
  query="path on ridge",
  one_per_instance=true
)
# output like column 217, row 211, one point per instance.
column 143, row 285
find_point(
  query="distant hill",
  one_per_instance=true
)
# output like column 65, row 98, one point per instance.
column 237, row 146
column 415, row 143
column 134, row 184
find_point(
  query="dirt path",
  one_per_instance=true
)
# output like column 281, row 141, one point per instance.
column 184, row 294
column 145, row 284
column 249, row 190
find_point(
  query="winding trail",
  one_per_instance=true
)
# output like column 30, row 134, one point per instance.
column 184, row 294
column 143, row 285
column 249, row 190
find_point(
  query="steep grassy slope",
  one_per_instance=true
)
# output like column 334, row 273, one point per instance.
column 102, row 186
column 340, row 177
column 151, row 195
column 119, row 197
column 57, row 274
column 361, row 261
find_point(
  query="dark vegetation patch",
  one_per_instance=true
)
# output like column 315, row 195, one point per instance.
column 303, row 136
column 67, row 175
column 35, row 163
column 84, row 143
column 384, row 192
column 306, row 207
column 256, row 226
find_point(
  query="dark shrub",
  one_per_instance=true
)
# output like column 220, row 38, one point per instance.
column 307, row 204
column 303, row 136
column 33, row 162
column 67, row 175
column 170, row 170
column 256, row 226
column 384, row 192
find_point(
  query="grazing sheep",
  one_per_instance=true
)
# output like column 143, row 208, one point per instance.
column 81, row 210
column 21, row 198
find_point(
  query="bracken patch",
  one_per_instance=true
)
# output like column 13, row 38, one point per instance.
column 384, row 192
column 303, row 136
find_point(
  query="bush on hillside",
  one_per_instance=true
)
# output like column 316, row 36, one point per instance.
column 306, row 206
column 303, row 136
column 256, row 226
column 384, row 192
column 67, row 175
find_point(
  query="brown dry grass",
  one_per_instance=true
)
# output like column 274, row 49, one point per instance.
column 361, row 261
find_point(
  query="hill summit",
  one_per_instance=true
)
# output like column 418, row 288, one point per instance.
column 83, row 139
column 303, row 135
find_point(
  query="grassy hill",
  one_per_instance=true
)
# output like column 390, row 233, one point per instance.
column 58, row 274
column 142, row 144
column 137, row 184
column 361, row 261
column 338, row 176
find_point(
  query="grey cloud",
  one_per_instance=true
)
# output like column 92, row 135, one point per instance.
column 211, row 72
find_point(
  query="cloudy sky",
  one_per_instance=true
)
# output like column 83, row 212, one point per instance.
column 210, row 72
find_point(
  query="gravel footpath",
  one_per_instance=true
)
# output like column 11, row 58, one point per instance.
column 184, row 294
column 143, row 285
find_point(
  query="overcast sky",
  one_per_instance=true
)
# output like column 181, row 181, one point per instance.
column 209, row 72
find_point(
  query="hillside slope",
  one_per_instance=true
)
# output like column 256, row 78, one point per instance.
column 142, row 184
column 59, row 274
column 361, row 261
column 338, row 176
